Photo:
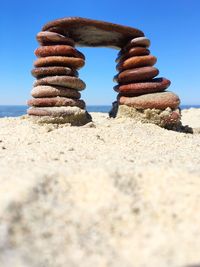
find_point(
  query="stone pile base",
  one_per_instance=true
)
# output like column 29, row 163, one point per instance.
column 167, row 118
column 73, row 115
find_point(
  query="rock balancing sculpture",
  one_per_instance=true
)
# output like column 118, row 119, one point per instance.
column 56, row 92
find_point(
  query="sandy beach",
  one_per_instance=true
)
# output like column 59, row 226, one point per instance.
column 112, row 193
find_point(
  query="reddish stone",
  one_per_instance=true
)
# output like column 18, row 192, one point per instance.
column 173, row 118
column 134, row 51
column 53, row 71
column 53, row 91
column 132, row 89
column 156, row 100
column 58, row 50
column 56, row 102
column 50, row 38
column 65, row 81
column 71, row 62
column 135, row 62
column 56, row 112
column 137, row 74
column 87, row 32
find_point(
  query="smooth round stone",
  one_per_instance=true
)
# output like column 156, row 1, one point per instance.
column 58, row 50
column 134, row 51
column 137, row 74
column 156, row 100
column 56, row 102
column 66, row 81
column 132, row 89
column 53, row 71
column 53, row 91
column 139, row 41
column 135, row 62
column 71, row 62
column 49, row 38
column 73, row 115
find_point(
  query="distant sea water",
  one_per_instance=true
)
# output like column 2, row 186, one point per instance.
column 15, row 111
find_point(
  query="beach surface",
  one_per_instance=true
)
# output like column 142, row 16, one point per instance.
column 112, row 193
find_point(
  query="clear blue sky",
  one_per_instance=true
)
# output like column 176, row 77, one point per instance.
column 173, row 27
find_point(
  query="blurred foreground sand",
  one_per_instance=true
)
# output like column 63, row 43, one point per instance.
column 113, row 193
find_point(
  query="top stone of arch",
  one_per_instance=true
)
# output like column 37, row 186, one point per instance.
column 93, row 33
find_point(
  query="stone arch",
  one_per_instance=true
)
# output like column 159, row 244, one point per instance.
column 56, row 96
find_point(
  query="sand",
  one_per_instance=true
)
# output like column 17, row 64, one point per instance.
column 111, row 193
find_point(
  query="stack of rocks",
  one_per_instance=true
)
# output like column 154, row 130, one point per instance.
column 141, row 95
column 56, row 92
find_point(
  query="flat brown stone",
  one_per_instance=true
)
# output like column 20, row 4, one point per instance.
column 53, row 71
column 58, row 50
column 53, row 91
column 56, row 102
column 87, row 32
column 161, row 101
column 140, row 41
column 50, row 38
column 71, row 62
column 132, row 89
column 134, row 51
column 137, row 74
column 65, row 81
column 135, row 62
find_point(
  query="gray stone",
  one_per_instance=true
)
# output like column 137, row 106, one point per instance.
column 139, row 41
column 65, row 81
column 52, row 91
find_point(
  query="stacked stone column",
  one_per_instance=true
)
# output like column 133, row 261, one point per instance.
column 56, row 92
column 141, row 95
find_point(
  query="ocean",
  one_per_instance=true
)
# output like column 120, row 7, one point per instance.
column 15, row 111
